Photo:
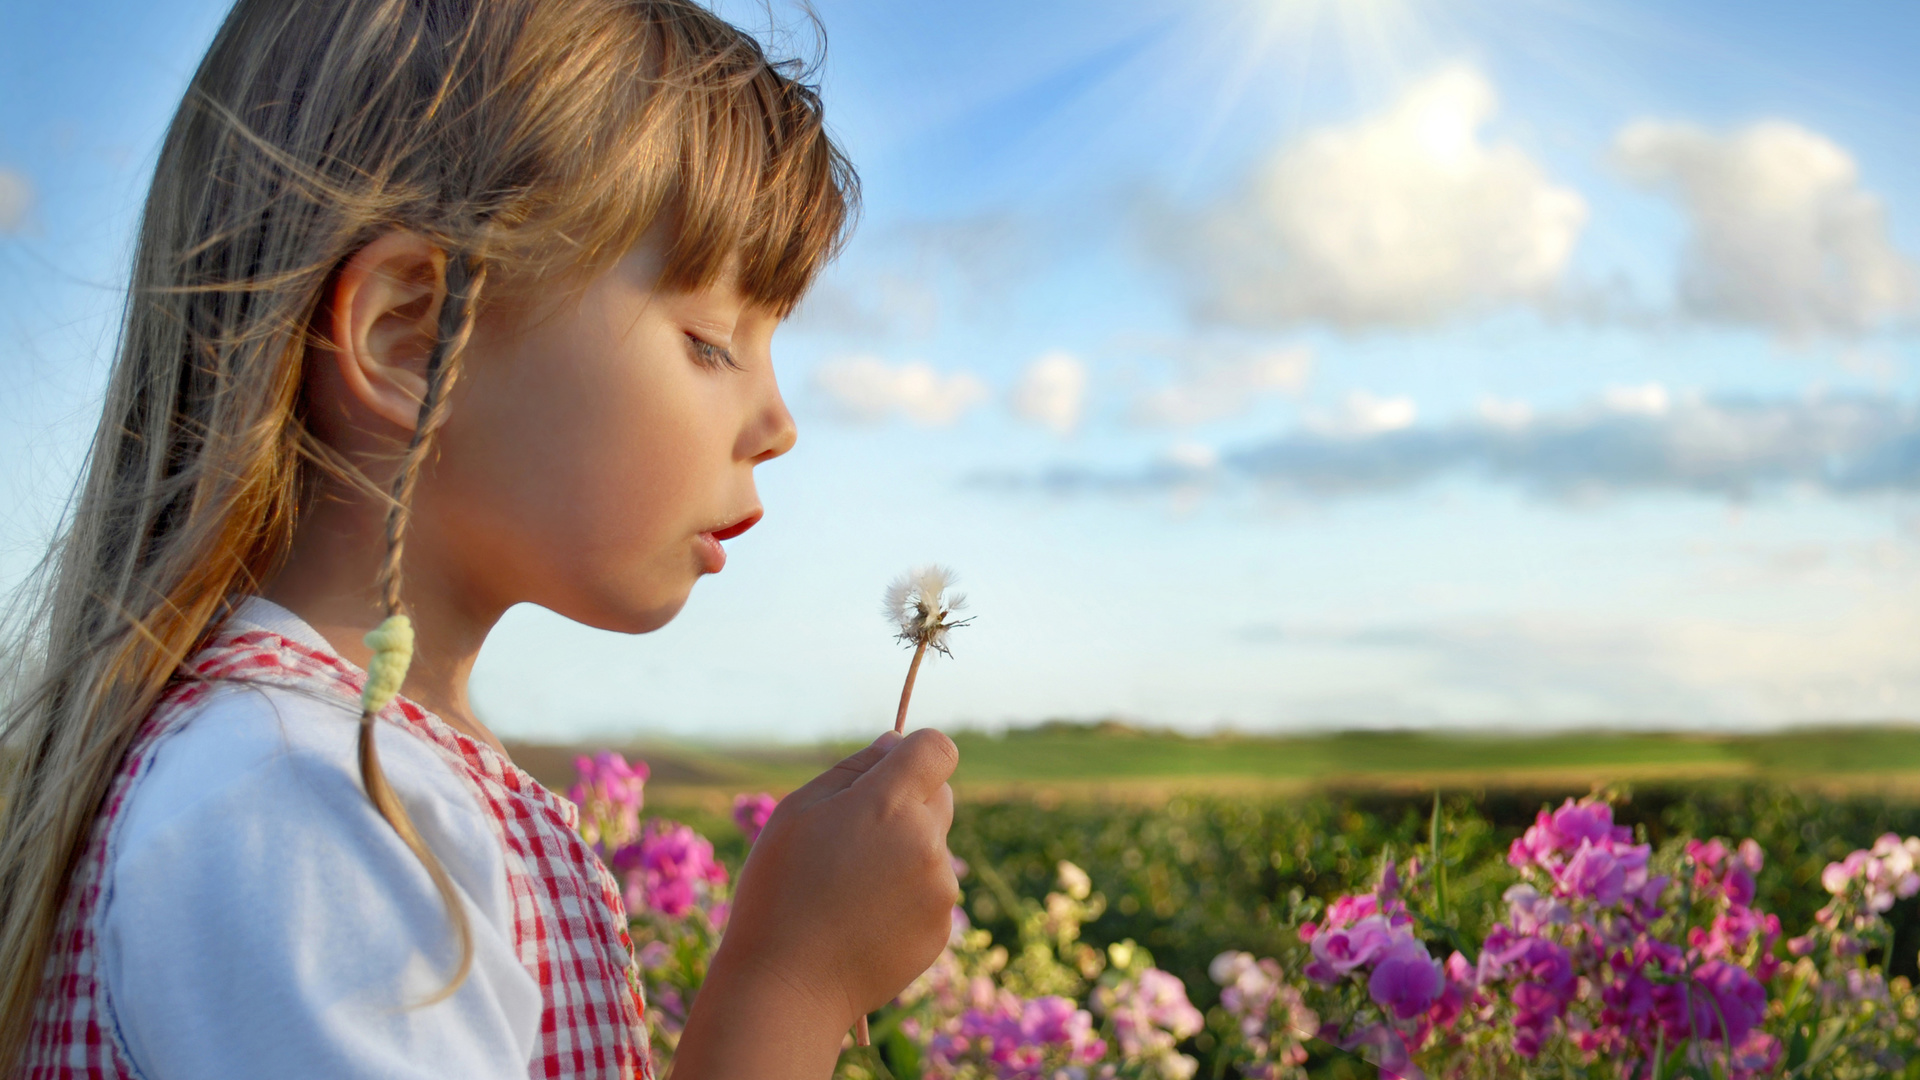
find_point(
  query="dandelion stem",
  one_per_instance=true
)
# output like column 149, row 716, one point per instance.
column 860, row 1035
column 906, row 692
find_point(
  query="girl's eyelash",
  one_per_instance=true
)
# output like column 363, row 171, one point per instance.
column 711, row 355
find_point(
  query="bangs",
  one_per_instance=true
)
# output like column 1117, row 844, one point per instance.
column 704, row 131
column 762, row 183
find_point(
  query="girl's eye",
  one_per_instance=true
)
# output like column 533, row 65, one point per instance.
column 707, row 354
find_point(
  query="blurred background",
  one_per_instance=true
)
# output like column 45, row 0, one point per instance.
column 1264, row 366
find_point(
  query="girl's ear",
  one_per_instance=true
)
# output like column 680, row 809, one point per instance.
column 385, row 311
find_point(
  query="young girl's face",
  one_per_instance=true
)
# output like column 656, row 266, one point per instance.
column 600, row 444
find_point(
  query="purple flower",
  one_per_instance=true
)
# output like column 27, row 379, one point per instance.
column 751, row 812
column 1338, row 951
column 1019, row 1039
column 1721, row 1002
column 1594, row 874
column 1406, row 980
column 1528, row 911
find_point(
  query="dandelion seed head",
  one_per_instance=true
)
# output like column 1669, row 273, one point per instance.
column 920, row 606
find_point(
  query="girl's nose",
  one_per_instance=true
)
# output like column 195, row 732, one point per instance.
column 773, row 433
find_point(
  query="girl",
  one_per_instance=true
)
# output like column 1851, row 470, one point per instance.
column 439, row 306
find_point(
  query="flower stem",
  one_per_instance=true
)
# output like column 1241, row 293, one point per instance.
column 860, row 1034
column 906, row 692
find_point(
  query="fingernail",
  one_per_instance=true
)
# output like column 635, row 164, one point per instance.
column 887, row 739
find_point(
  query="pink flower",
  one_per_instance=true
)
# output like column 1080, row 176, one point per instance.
column 1150, row 1013
column 609, row 793
column 751, row 812
column 1560, row 833
column 669, row 869
column 1018, row 1039
column 1460, row 991
column 1348, row 910
column 1756, row 1055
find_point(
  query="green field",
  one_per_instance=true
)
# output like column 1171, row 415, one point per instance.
column 1112, row 760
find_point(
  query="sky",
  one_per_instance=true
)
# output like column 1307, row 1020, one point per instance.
column 1267, row 365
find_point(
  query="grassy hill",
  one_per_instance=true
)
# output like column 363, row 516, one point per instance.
column 1061, row 760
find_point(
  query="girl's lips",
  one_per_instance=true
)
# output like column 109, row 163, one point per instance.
column 737, row 527
column 713, row 557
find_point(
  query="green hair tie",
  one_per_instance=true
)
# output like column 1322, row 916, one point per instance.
column 392, row 645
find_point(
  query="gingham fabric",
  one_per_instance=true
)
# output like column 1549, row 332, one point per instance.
column 569, row 925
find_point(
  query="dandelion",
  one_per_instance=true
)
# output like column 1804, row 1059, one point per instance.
column 918, row 603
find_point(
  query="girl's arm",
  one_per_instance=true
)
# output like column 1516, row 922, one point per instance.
column 846, row 897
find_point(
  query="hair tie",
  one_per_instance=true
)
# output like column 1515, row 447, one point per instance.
column 392, row 645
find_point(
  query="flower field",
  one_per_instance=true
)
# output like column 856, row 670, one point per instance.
column 1732, row 929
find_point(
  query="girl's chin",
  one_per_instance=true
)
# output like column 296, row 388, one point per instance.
column 629, row 614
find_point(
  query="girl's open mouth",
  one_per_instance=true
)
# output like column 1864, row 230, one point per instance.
column 737, row 527
column 714, row 557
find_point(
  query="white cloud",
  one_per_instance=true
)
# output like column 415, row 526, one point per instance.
column 866, row 389
column 1217, row 382
column 1783, row 235
column 16, row 198
column 1505, row 412
column 1192, row 457
column 1052, row 391
column 1650, row 399
column 1363, row 413
column 1402, row 218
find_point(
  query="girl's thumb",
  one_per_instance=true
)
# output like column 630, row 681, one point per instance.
column 849, row 769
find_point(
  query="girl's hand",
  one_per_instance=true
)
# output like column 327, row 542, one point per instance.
column 846, row 897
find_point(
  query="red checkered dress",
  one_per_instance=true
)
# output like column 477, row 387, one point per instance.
column 569, row 925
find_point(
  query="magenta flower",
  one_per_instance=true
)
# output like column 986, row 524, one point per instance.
column 1594, row 874
column 751, row 812
column 1724, row 1000
column 1460, row 991
column 609, row 793
column 1406, row 980
column 669, row 870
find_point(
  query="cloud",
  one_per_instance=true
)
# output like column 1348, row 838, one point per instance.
column 1400, row 219
column 1052, row 391
column 1363, row 413
column 1631, row 439
column 16, row 198
column 1216, row 382
column 1783, row 236
column 866, row 389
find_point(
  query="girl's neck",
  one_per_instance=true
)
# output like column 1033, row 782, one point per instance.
column 328, row 580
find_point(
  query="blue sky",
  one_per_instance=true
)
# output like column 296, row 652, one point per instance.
column 1267, row 364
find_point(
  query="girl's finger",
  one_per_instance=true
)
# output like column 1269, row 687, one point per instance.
column 849, row 769
column 916, row 768
column 942, row 807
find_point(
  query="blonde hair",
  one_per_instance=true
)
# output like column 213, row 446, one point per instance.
column 530, row 140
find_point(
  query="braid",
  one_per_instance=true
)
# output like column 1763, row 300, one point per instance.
column 456, row 328
column 392, row 641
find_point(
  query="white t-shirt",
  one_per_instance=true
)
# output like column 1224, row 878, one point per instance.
column 259, row 918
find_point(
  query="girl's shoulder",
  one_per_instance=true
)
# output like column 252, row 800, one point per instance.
column 281, row 765
column 255, row 907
